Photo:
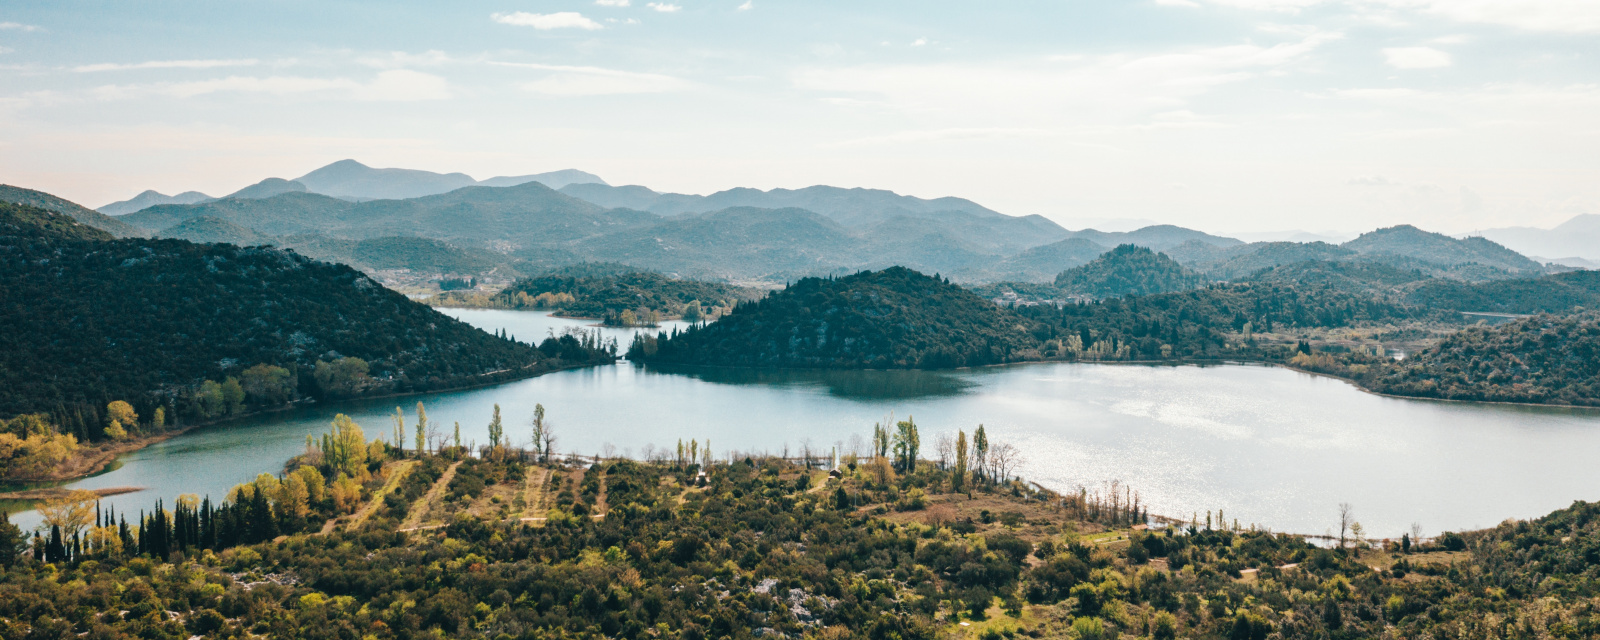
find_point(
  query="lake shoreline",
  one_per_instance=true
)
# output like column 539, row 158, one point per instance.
column 95, row 460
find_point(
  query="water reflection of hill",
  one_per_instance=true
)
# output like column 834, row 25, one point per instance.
column 852, row 384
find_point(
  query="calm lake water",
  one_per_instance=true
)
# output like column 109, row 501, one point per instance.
column 1269, row 446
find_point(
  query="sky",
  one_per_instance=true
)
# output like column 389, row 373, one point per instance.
column 1229, row 116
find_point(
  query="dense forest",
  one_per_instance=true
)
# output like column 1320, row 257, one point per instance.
column 1544, row 359
column 1219, row 321
column 382, row 542
column 1127, row 270
column 203, row 330
column 894, row 318
column 602, row 290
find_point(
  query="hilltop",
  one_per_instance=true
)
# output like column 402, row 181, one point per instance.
column 1411, row 242
column 894, row 318
column 86, row 319
column 1127, row 270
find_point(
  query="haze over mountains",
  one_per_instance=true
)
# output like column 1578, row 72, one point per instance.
column 352, row 180
column 424, row 225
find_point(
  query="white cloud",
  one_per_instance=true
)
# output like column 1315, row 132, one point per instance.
column 395, row 85
column 612, row 3
column 6, row 50
column 665, row 7
column 1570, row 16
column 404, row 85
column 748, row 5
column 572, row 81
column 165, row 64
column 1108, row 89
column 17, row 26
column 1178, row 3
column 546, row 21
column 1416, row 58
column 919, row 42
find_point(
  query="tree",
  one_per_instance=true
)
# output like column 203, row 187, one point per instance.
column 1004, row 460
column 542, row 439
column 122, row 413
column 980, row 451
column 945, row 447
column 422, row 428
column 159, row 420
column 232, row 396
column 267, row 385
column 399, row 430
column 1346, row 518
column 344, row 447
column 458, row 435
column 495, row 428
column 208, row 401
column 343, row 377
column 958, row 474
column 12, row 543
column 906, row 445
column 71, row 512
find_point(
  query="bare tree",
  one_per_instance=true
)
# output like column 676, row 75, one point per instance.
column 1004, row 460
column 549, row 448
column 435, row 436
column 857, row 445
column 805, row 451
column 608, row 451
column 1416, row 533
column 946, row 446
column 1347, row 517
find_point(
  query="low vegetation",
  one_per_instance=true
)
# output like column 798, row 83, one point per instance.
column 696, row 546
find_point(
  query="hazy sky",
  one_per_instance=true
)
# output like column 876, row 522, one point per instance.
column 1225, row 115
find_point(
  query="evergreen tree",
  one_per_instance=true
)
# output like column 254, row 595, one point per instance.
column 12, row 542
column 980, row 451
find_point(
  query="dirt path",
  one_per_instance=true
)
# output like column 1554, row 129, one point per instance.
column 600, row 499
column 396, row 475
column 533, row 492
column 420, row 509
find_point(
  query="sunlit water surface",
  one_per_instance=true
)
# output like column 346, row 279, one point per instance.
column 1268, row 446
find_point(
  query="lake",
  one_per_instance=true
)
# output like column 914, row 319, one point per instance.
column 1267, row 445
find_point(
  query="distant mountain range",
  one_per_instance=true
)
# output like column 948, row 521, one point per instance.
column 421, row 225
column 351, row 180
column 1576, row 238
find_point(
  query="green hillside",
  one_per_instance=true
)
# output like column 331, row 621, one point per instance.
column 895, row 318
column 85, row 320
column 208, row 229
column 85, row 215
column 1127, row 271
column 1439, row 249
column 598, row 290
column 1559, row 293
column 1354, row 276
column 1545, row 359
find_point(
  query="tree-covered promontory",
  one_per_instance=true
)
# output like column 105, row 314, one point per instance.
column 609, row 291
column 894, row 318
column 201, row 329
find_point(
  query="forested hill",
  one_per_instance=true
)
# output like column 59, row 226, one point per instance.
column 85, row 320
column 1545, row 359
column 1127, row 270
column 894, row 318
column 82, row 214
column 598, row 290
